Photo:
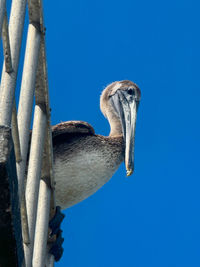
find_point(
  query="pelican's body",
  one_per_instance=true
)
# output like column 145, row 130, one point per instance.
column 91, row 161
column 84, row 161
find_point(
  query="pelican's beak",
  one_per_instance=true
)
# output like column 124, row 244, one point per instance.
column 130, row 113
column 126, row 106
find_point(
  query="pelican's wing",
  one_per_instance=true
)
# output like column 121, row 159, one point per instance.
column 70, row 129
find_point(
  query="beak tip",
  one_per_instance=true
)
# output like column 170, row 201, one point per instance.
column 129, row 172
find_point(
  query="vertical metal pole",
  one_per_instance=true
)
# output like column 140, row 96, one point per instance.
column 26, row 98
column 41, row 230
column 40, row 251
column 24, row 114
column 2, row 10
column 33, row 178
column 50, row 260
column 8, row 81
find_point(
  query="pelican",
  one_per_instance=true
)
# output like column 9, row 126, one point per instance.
column 85, row 161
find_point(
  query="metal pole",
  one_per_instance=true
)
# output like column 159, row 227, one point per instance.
column 24, row 115
column 45, row 204
column 41, row 230
column 26, row 98
column 42, row 97
column 2, row 10
column 8, row 81
column 33, row 178
column 49, row 260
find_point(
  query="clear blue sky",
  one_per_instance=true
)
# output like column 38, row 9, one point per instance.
column 151, row 219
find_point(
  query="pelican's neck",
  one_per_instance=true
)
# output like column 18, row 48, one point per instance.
column 110, row 114
column 115, row 126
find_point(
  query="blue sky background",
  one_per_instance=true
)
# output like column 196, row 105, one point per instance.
column 151, row 219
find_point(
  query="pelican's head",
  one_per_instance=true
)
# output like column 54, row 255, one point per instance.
column 119, row 103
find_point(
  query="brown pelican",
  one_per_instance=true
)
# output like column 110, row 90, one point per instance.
column 85, row 161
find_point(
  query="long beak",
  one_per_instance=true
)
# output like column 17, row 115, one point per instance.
column 130, row 123
column 127, row 110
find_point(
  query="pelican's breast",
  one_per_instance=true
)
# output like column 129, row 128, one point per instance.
column 83, row 165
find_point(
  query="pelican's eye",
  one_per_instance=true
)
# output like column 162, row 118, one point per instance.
column 130, row 91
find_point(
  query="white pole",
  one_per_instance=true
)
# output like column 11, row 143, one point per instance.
column 33, row 177
column 2, row 10
column 41, row 230
column 49, row 260
column 8, row 81
column 46, row 188
column 26, row 98
column 24, row 115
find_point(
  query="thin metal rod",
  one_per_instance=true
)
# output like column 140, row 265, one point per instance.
column 41, row 230
column 33, row 178
column 6, row 45
column 26, row 98
column 49, row 260
column 15, row 134
column 8, row 81
column 24, row 115
column 40, row 251
column 2, row 10
column 42, row 96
